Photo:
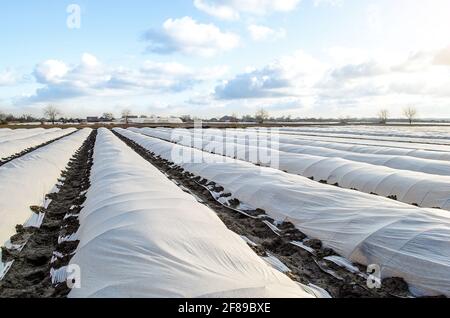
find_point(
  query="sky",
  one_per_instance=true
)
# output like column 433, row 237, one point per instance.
column 209, row 58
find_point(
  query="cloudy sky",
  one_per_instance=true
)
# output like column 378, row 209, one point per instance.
column 215, row 57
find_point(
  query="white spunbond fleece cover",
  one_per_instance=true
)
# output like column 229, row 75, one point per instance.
column 142, row 236
column 390, row 149
column 436, row 167
column 367, row 147
column 12, row 147
column 377, row 138
column 25, row 133
column 354, row 134
column 5, row 131
column 407, row 132
column 26, row 180
column 426, row 147
column 8, row 131
column 419, row 149
column 290, row 144
column 407, row 186
column 405, row 241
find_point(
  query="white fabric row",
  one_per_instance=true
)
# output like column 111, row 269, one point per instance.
column 12, row 147
column 26, row 180
column 405, row 241
column 410, row 187
column 142, row 236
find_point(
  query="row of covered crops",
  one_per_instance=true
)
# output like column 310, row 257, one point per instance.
column 406, row 241
column 418, row 187
column 140, row 235
column 15, row 142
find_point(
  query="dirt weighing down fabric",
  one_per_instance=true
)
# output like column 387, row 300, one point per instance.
column 405, row 241
column 9, row 148
column 411, row 187
column 142, row 236
column 26, row 180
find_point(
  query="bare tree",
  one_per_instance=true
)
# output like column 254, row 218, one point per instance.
column 108, row 116
column 51, row 113
column 27, row 118
column 3, row 118
column 126, row 113
column 234, row 118
column 383, row 116
column 186, row 119
column 410, row 113
column 261, row 116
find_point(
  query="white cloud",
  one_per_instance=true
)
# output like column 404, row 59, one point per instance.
column 422, row 60
column 352, row 83
column 189, row 37
column 262, row 33
column 50, row 71
column 232, row 9
column 416, row 62
column 355, row 71
column 344, row 88
column 177, row 70
column 218, row 10
column 442, row 57
column 347, row 55
column 379, row 83
column 333, row 3
column 89, row 60
column 91, row 78
column 8, row 77
column 292, row 75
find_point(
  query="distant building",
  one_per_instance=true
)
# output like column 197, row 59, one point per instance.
column 228, row 119
column 92, row 119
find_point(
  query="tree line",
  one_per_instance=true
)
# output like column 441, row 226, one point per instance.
column 410, row 113
column 52, row 114
column 262, row 116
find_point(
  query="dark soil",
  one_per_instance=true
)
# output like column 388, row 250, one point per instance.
column 29, row 275
column 28, row 150
column 306, row 267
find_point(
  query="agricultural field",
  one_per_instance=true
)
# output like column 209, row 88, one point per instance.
column 305, row 212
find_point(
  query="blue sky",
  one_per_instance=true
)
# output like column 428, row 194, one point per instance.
column 215, row 57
